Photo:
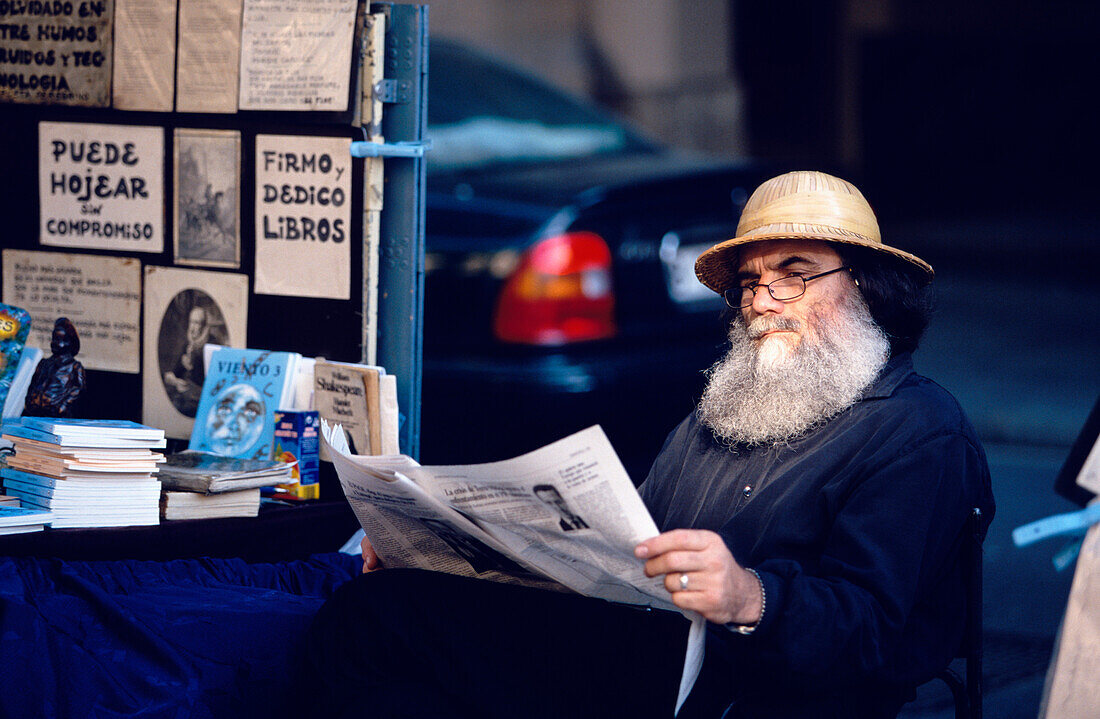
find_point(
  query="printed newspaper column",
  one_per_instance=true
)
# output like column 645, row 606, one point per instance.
column 303, row 216
column 101, row 295
column 56, row 52
column 101, row 186
column 145, row 54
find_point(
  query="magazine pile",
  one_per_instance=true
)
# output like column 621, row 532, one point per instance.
column 85, row 472
column 565, row 516
column 200, row 485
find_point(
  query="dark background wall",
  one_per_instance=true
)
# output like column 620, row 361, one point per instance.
column 988, row 102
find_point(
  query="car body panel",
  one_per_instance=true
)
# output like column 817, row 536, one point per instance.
column 655, row 207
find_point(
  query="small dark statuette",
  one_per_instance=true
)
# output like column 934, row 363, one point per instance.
column 59, row 378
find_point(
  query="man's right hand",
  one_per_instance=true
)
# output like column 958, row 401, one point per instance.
column 370, row 558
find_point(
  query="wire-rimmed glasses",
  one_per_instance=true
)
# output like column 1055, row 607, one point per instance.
column 785, row 289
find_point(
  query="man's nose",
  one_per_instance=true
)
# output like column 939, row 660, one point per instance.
column 763, row 302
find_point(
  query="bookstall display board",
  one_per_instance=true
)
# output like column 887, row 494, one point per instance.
column 230, row 171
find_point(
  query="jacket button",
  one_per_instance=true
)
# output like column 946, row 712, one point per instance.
column 747, row 490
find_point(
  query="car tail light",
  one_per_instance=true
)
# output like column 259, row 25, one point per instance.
column 560, row 292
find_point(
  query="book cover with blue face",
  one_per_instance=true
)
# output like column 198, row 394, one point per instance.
column 15, row 324
column 240, row 394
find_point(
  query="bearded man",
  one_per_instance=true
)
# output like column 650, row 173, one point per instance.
column 813, row 510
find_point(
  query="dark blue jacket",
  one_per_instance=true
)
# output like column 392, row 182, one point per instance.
column 856, row 531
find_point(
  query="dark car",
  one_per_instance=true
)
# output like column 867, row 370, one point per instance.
column 560, row 288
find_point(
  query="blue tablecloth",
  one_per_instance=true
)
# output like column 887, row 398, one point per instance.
column 180, row 638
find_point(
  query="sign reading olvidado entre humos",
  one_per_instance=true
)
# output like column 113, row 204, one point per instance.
column 56, row 52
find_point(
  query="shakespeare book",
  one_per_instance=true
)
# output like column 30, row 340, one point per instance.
column 349, row 395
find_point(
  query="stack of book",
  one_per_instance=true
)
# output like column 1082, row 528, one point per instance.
column 87, row 473
column 16, row 520
column 201, row 485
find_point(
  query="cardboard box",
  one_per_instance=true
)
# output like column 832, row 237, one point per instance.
column 297, row 436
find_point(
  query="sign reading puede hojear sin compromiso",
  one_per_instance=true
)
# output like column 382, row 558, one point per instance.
column 101, row 186
column 56, row 52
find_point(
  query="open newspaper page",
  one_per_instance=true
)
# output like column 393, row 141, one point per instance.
column 568, row 510
column 410, row 528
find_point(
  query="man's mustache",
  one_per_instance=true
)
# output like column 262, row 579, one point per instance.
column 771, row 323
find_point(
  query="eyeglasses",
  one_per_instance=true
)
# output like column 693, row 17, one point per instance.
column 785, row 289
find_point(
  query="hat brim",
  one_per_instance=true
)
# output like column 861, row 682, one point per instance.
column 716, row 268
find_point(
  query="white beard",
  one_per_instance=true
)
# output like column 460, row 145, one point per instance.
column 766, row 392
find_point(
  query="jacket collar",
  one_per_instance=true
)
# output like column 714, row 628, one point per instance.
column 893, row 374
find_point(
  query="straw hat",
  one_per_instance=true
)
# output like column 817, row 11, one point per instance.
column 802, row 205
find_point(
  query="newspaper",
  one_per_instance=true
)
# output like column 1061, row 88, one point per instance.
column 565, row 516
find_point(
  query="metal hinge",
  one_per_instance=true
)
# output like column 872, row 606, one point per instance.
column 394, row 92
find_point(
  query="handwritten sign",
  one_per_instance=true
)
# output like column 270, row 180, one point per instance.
column 303, row 216
column 101, row 295
column 56, row 52
column 296, row 55
column 101, row 186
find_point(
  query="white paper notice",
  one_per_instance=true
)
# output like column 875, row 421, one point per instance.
column 184, row 310
column 56, row 52
column 296, row 54
column 303, row 216
column 209, row 56
column 100, row 295
column 145, row 54
column 101, row 186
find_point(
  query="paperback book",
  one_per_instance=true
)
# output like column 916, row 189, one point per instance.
column 348, row 394
column 106, row 512
column 109, row 484
column 79, row 428
column 191, row 505
column 18, row 483
column 18, row 520
column 21, row 382
column 240, row 394
column 15, row 324
column 61, row 467
column 14, row 430
column 208, row 473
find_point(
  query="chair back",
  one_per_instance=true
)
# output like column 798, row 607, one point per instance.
column 968, row 694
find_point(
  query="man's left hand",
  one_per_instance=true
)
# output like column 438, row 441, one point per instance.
column 717, row 586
